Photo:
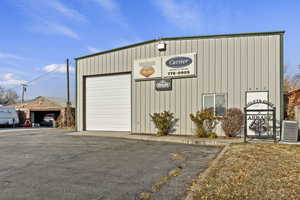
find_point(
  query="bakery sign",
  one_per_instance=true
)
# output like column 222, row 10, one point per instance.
column 147, row 68
column 179, row 65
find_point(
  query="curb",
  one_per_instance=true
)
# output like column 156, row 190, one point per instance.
column 195, row 141
column 205, row 173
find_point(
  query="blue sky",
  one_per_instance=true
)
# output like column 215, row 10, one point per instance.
column 38, row 35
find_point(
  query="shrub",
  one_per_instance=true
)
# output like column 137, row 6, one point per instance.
column 205, row 122
column 66, row 119
column 163, row 121
column 232, row 122
column 212, row 135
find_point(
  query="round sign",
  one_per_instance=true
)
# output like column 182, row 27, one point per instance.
column 178, row 62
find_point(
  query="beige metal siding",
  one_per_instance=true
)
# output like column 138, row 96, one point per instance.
column 230, row 65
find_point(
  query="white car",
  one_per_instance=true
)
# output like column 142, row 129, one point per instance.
column 8, row 116
column 49, row 120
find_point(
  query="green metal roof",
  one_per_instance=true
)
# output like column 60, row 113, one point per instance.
column 184, row 37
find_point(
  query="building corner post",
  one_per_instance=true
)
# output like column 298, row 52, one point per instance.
column 282, row 105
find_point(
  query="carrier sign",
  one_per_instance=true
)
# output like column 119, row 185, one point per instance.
column 179, row 66
column 178, row 62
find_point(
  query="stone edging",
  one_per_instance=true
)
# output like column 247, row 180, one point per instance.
column 174, row 139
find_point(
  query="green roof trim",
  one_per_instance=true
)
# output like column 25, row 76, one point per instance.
column 184, row 37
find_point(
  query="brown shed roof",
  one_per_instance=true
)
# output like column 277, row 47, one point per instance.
column 42, row 103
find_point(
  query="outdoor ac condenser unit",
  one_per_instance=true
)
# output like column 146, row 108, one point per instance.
column 289, row 131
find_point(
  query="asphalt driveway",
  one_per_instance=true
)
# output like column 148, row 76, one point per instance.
column 49, row 164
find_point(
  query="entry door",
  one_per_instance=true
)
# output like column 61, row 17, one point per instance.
column 108, row 103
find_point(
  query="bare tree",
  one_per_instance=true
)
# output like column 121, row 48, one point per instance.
column 8, row 96
column 291, row 82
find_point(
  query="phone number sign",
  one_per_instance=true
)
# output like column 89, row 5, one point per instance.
column 179, row 66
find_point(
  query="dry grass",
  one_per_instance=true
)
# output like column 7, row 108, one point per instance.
column 254, row 171
column 163, row 180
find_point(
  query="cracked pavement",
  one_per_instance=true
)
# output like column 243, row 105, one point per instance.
column 49, row 164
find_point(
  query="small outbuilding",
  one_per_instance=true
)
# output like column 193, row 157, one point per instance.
column 37, row 108
column 117, row 89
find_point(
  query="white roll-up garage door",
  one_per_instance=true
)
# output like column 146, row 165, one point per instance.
column 108, row 103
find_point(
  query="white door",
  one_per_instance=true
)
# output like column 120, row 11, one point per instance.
column 108, row 103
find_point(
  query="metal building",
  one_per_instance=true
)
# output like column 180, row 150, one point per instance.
column 118, row 88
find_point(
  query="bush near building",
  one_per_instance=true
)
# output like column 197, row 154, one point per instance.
column 205, row 122
column 232, row 122
column 163, row 121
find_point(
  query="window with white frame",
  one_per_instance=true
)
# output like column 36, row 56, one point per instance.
column 216, row 102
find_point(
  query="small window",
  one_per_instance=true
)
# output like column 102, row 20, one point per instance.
column 217, row 102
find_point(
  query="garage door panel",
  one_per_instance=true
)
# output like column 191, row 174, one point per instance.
column 106, row 115
column 123, row 91
column 112, row 108
column 108, row 103
column 120, row 102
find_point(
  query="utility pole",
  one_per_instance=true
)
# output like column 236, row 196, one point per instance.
column 68, row 94
column 23, row 91
column 68, row 84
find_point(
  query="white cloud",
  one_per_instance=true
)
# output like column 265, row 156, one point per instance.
column 54, row 28
column 64, row 30
column 8, row 76
column 10, row 56
column 57, row 68
column 114, row 11
column 93, row 49
column 68, row 12
column 183, row 14
column 10, row 79
column 109, row 5
column 46, row 17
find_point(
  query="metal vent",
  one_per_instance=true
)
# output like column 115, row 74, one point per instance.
column 290, row 131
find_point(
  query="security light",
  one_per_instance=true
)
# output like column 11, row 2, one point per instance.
column 161, row 46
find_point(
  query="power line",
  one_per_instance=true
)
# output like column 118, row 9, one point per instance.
column 35, row 79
